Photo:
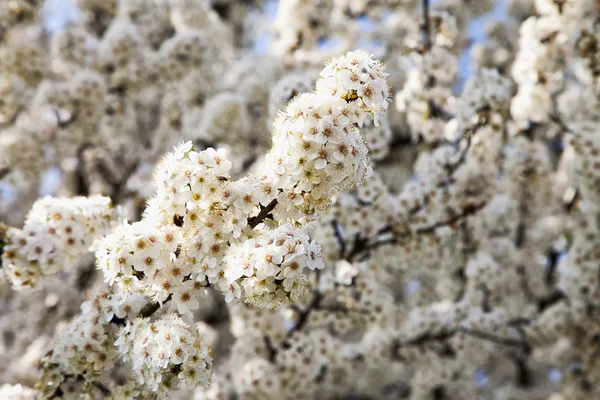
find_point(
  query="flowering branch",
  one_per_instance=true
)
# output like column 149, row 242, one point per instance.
column 362, row 245
column 442, row 337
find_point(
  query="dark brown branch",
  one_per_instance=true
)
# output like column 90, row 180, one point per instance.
column 263, row 214
column 100, row 386
column 425, row 26
column 550, row 300
column 524, row 376
column 558, row 120
column 442, row 337
column 82, row 187
column 361, row 245
column 509, row 342
column 147, row 311
column 338, row 235
column 3, row 229
column 304, row 314
column 468, row 211
column 428, row 338
column 65, row 123
column 570, row 204
column 271, row 349
column 4, row 170
column 11, row 121
column 550, row 275
column 451, row 168
column 390, row 241
column 80, row 378
column 151, row 308
column 339, row 308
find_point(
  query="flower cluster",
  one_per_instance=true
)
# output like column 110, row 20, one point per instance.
column 25, row 60
column 194, row 218
column 486, row 91
column 85, row 347
column 166, row 353
column 268, row 270
column 72, row 110
column 288, row 87
column 198, row 213
column 317, row 150
column 426, row 99
column 57, row 233
column 170, row 252
column 465, row 266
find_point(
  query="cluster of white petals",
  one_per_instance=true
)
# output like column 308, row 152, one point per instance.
column 166, row 353
column 280, row 216
column 199, row 215
column 317, row 148
column 57, row 233
column 268, row 269
column 85, row 347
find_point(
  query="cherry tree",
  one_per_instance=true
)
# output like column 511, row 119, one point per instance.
column 214, row 199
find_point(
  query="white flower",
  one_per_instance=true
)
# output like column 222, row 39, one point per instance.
column 181, row 150
column 185, row 296
column 232, row 291
column 315, row 257
column 159, row 346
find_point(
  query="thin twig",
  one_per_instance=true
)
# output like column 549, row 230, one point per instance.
column 147, row 311
column 304, row 314
column 362, row 246
column 80, row 378
column 469, row 210
column 488, row 337
column 559, row 121
column 100, row 386
column 509, row 342
column 263, row 214
column 271, row 349
column 151, row 308
column 425, row 26
column 570, row 204
column 338, row 235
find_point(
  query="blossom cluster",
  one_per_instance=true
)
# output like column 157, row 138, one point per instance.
column 85, row 347
column 317, row 150
column 269, row 268
column 198, row 212
column 165, row 353
column 57, row 233
column 464, row 266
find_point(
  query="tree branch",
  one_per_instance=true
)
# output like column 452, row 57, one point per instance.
column 4, row 170
column 338, row 235
column 469, row 210
column 425, row 26
column 272, row 350
column 147, row 311
column 264, row 213
column 100, row 386
column 303, row 314
column 509, row 342
column 444, row 336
